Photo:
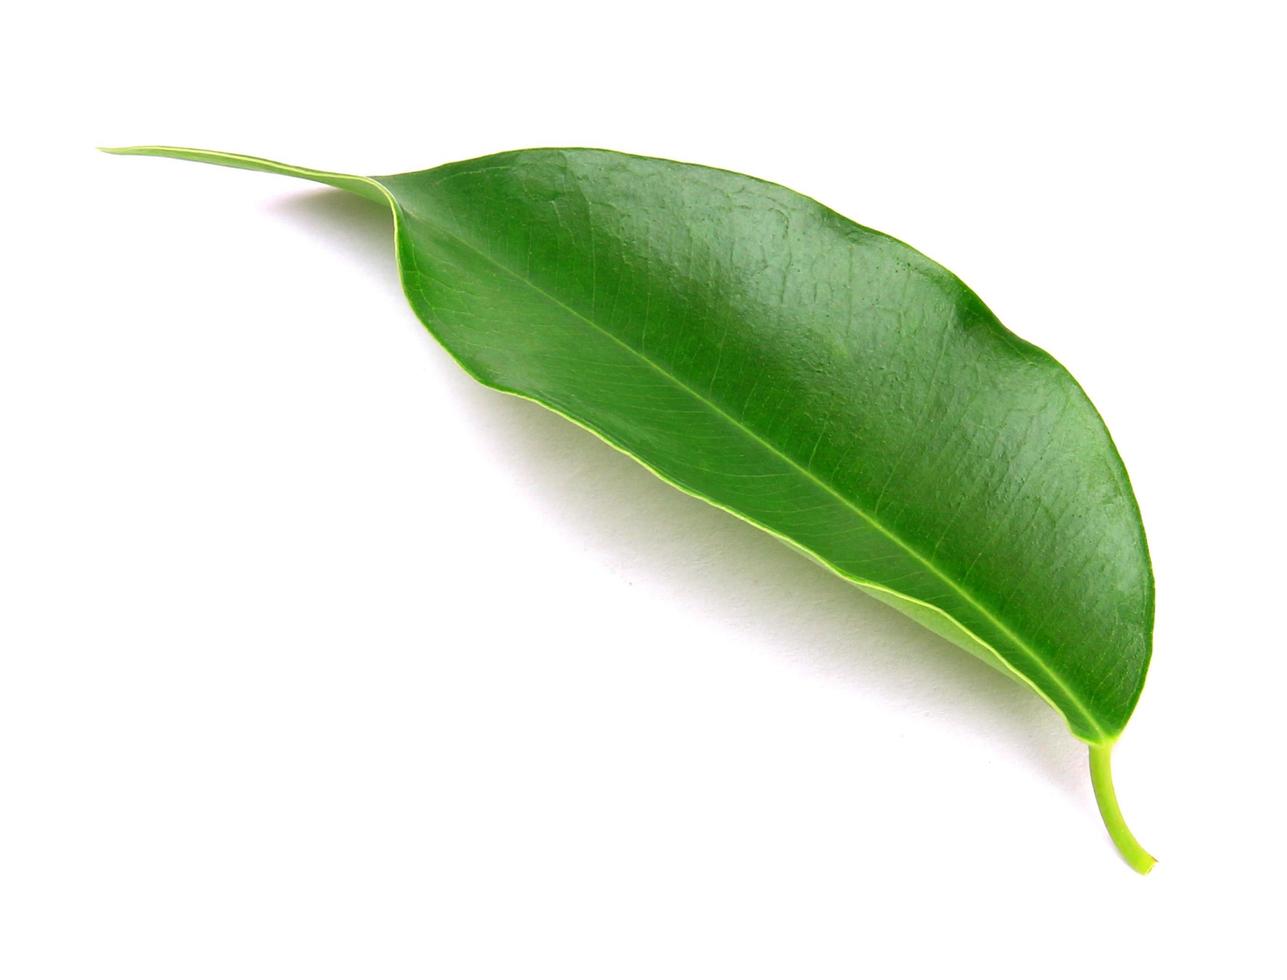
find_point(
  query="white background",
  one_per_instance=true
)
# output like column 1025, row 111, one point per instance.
column 318, row 660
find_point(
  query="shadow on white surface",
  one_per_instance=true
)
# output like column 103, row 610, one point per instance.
column 731, row 570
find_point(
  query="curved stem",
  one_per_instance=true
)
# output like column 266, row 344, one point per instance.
column 1101, row 777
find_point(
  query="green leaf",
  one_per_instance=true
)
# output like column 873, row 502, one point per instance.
column 818, row 379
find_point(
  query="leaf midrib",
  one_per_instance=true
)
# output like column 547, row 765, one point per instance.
column 1055, row 679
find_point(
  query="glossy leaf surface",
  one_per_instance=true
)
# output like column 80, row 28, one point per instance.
column 821, row 380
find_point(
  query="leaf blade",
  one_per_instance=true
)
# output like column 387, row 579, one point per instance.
column 440, row 228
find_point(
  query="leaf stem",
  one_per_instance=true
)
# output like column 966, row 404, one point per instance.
column 1101, row 777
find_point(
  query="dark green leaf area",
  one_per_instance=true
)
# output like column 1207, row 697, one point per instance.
column 818, row 378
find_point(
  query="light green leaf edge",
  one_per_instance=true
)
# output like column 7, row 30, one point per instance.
column 931, row 617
